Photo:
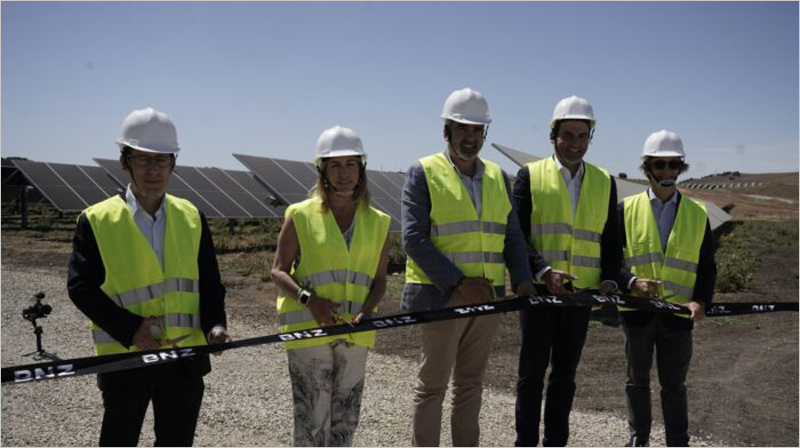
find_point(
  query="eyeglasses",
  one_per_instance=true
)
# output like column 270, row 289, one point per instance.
column 161, row 161
column 673, row 164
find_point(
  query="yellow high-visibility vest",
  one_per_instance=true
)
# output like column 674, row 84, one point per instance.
column 330, row 269
column 475, row 245
column 569, row 243
column 134, row 277
column 644, row 256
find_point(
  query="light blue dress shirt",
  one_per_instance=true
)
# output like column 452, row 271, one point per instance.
column 152, row 227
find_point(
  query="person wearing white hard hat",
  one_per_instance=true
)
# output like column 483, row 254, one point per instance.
column 144, row 271
column 332, row 233
column 672, row 259
column 460, row 232
column 566, row 208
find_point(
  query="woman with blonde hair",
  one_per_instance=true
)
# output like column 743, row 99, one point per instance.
column 330, row 266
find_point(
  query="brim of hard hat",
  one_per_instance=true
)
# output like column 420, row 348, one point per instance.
column 466, row 120
column 573, row 117
column 122, row 143
column 342, row 153
column 664, row 154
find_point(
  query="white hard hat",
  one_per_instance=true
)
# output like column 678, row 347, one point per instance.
column 149, row 130
column 339, row 142
column 573, row 108
column 663, row 144
column 466, row 106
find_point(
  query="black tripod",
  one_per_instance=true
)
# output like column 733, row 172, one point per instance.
column 36, row 311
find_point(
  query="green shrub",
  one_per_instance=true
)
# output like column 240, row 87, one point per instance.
column 735, row 268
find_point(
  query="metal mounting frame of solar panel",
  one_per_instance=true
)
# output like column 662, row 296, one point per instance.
column 70, row 188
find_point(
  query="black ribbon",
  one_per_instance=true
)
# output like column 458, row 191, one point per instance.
column 111, row 363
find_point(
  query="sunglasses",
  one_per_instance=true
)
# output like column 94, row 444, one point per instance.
column 672, row 164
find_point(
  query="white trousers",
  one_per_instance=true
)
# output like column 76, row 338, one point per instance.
column 327, row 382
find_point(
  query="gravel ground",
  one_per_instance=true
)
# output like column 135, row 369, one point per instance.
column 247, row 400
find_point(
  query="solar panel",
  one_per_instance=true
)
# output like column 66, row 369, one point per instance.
column 386, row 196
column 625, row 188
column 284, row 186
column 83, row 185
column 244, row 190
column 101, row 178
column 305, row 173
column 200, row 185
column 518, row 157
column 396, row 179
column 114, row 170
column 51, row 184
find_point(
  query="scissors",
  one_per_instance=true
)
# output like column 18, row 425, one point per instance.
column 337, row 318
column 174, row 341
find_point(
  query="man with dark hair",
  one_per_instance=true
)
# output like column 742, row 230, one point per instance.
column 143, row 270
column 566, row 209
column 460, row 233
column 668, row 255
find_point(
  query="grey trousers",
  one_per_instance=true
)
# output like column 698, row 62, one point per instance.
column 327, row 382
column 673, row 347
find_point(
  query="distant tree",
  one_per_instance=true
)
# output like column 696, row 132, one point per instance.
column 622, row 176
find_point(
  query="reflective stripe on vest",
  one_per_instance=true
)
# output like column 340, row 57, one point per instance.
column 569, row 242
column 126, row 299
column 473, row 244
column 677, row 266
column 338, row 276
column 332, row 270
column 468, row 226
column 134, row 277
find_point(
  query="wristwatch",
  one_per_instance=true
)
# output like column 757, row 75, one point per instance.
column 304, row 296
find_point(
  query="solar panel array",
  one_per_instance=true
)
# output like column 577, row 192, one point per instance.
column 716, row 215
column 263, row 192
column 69, row 188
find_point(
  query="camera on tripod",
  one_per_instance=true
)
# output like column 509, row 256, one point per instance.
column 38, row 310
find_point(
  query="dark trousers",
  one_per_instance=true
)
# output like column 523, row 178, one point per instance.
column 176, row 406
column 673, row 346
column 550, row 336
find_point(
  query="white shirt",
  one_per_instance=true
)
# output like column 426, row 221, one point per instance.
column 664, row 213
column 474, row 184
column 573, row 182
column 152, row 228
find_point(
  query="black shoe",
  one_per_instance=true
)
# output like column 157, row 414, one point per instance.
column 637, row 441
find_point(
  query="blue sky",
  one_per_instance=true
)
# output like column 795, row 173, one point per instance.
column 267, row 78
